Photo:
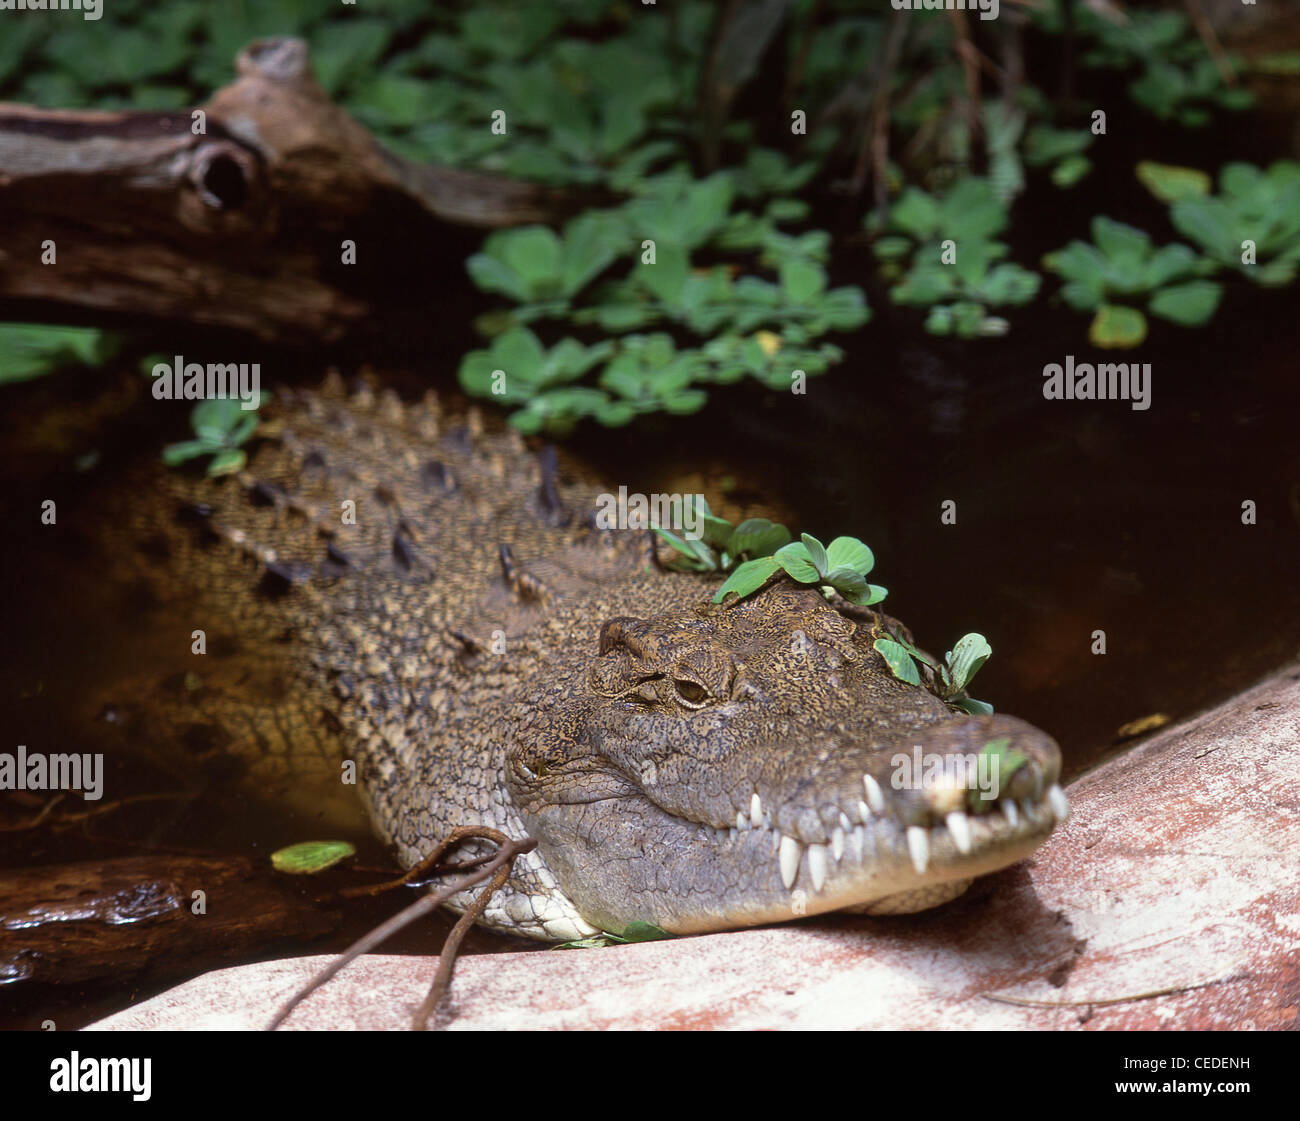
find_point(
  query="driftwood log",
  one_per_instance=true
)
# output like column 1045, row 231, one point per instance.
column 70, row 923
column 240, row 225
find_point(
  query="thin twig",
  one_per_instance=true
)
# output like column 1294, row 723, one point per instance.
column 1180, row 988
column 497, row 869
column 107, row 807
column 875, row 136
column 970, row 64
column 451, row 947
column 1205, row 29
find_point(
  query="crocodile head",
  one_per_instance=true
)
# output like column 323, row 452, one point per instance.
column 717, row 767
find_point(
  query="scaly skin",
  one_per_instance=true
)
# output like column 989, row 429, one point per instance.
column 696, row 766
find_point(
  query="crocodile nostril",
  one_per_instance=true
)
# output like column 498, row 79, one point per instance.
column 617, row 632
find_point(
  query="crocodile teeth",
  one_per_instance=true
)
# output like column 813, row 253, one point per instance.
column 742, row 822
column 918, row 844
column 864, row 811
column 837, row 844
column 791, row 854
column 755, row 811
column 875, row 796
column 959, row 827
column 1030, row 811
column 1013, row 815
column 1059, row 802
column 817, row 865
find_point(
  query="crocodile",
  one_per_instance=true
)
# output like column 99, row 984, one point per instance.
column 447, row 616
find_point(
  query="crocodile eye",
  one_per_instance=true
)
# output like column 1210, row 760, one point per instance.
column 690, row 693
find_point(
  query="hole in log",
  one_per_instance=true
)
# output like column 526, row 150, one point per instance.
column 222, row 184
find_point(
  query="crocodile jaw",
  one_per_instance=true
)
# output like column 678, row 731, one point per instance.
column 708, row 878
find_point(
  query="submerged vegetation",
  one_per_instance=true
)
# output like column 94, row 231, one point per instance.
column 711, row 258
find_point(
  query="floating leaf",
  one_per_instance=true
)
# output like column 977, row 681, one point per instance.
column 1117, row 327
column 310, row 857
column 1189, row 305
column 1169, row 183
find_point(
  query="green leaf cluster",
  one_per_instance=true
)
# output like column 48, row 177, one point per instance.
column 1177, row 80
column 841, row 566
column 30, row 350
column 1120, row 268
column 220, row 428
column 1061, row 150
column 959, row 294
column 600, row 272
column 1253, row 204
column 949, row 679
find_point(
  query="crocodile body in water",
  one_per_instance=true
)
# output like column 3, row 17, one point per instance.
column 451, row 618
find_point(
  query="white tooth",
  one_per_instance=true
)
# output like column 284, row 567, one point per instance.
column 845, row 823
column 742, row 822
column 864, row 811
column 1029, row 812
column 1059, row 802
column 755, row 811
column 776, row 839
column 918, row 844
column 1013, row 816
column 817, row 865
column 791, row 854
column 837, row 844
column 875, row 796
column 732, row 834
column 858, row 842
column 959, row 827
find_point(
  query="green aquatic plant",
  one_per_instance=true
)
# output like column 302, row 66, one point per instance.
column 757, row 549
column 310, row 857
column 1061, row 150
column 634, row 932
column 939, row 252
column 628, row 268
column 1254, row 205
column 950, row 678
column 1122, row 268
column 31, row 350
column 221, row 427
column 1177, row 80
column 1007, row 762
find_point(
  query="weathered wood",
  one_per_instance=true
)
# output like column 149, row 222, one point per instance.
column 68, row 923
column 239, row 225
